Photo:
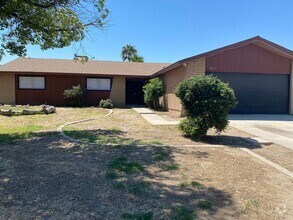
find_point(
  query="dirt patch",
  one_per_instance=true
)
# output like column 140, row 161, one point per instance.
column 134, row 129
column 47, row 177
column 277, row 154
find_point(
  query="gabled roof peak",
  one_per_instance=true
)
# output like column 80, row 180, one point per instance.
column 257, row 40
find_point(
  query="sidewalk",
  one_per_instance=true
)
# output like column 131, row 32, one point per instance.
column 153, row 118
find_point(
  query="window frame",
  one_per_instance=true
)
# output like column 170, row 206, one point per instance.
column 18, row 82
column 100, row 90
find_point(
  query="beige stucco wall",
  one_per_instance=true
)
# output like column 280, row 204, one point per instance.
column 291, row 91
column 117, row 94
column 174, row 77
column 7, row 88
column 171, row 79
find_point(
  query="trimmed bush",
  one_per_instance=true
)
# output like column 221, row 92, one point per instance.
column 207, row 101
column 152, row 92
column 106, row 104
column 74, row 96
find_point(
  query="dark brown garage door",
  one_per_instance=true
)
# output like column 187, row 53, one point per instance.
column 259, row 93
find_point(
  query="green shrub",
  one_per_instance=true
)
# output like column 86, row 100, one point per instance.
column 138, row 216
column 74, row 96
column 205, row 205
column 207, row 101
column 152, row 92
column 106, row 104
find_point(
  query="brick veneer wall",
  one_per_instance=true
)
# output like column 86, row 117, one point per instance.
column 174, row 77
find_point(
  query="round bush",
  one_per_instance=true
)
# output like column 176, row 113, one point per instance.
column 106, row 104
column 207, row 101
column 74, row 96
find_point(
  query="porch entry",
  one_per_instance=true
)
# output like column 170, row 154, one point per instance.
column 134, row 91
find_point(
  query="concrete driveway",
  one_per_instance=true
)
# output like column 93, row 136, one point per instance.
column 276, row 128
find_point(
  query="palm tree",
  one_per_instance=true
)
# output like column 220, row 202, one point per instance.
column 137, row 59
column 128, row 52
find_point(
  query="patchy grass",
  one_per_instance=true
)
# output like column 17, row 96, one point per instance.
column 111, row 175
column 205, row 204
column 48, row 122
column 249, row 205
column 155, row 142
column 13, row 133
column 121, row 164
column 119, row 185
column 139, row 187
column 193, row 184
column 25, row 127
column 160, row 155
column 87, row 179
column 138, row 216
column 197, row 185
column 106, row 136
column 169, row 167
column 183, row 213
column 109, row 136
column 184, row 184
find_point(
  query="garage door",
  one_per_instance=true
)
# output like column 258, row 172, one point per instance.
column 259, row 93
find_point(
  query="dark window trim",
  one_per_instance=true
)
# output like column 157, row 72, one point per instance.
column 45, row 81
column 100, row 90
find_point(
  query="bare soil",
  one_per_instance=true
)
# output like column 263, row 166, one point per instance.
column 277, row 154
column 134, row 127
column 47, row 177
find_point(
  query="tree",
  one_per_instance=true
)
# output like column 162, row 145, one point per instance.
column 47, row 23
column 207, row 101
column 137, row 59
column 128, row 52
column 152, row 92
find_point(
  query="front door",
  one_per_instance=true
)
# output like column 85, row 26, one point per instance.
column 134, row 91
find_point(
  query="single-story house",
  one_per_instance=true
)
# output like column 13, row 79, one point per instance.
column 259, row 71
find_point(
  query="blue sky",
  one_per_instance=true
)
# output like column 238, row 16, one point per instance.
column 170, row 30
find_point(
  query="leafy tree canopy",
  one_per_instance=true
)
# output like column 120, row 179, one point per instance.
column 47, row 23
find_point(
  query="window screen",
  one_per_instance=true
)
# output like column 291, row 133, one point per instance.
column 98, row 84
column 31, row 82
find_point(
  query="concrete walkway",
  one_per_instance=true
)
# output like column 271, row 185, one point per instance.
column 153, row 118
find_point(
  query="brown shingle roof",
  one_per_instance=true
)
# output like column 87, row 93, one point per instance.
column 33, row 65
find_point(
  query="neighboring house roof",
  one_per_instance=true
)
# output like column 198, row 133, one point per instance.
column 255, row 40
column 58, row 66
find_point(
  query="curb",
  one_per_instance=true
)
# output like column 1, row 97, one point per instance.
column 60, row 128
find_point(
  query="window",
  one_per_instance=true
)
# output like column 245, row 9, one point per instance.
column 98, row 84
column 31, row 82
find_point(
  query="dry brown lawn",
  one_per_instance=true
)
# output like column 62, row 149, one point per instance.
column 47, row 177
